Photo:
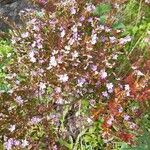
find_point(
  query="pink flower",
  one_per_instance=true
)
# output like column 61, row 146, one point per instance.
column 24, row 143
column 110, row 121
column 42, row 86
column 55, row 147
column 63, row 32
column 58, row 89
column 103, row 74
column 63, row 78
column 94, row 39
column 31, row 56
column 52, row 63
column 73, row 10
column 8, row 145
column 19, row 100
column 16, row 142
column 120, row 109
column 12, row 128
column 112, row 39
column 90, row 7
column 110, row 87
column 126, row 117
column 127, row 90
column 82, row 18
column 90, row 19
column 94, row 67
column 25, row 35
column 105, row 94
column 74, row 29
column 35, row 120
column 75, row 54
column 81, row 81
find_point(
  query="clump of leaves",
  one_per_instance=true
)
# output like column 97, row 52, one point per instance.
column 102, row 9
column 5, row 58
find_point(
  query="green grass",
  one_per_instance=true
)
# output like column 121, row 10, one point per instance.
column 5, row 59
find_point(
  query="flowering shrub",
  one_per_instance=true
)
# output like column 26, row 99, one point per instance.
column 66, row 56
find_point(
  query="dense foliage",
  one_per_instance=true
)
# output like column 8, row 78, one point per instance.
column 77, row 77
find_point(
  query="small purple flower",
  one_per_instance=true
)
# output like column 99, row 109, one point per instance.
column 42, row 86
column 12, row 128
column 120, row 109
column 35, row 120
column 94, row 67
column 102, row 27
column 39, row 45
column 112, row 39
column 133, row 125
column 63, row 77
column 73, row 10
column 55, row 147
column 90, row 19
column 94, row 39
column 81, row 81
column 92, row 102
column 127, row 90
column 25, row 35
column 110, row 121
column 105, row 94
column 74, row 29
column 53, row 62
column 110, row 87
column 60, row 101
column 19, row 100
column 90, row 7
column 103, row 74
column 114, row 56
column 82, row 18
column 107, row 29
column 58, row 90
column 8, row 145
column 32, row 56
column 103, row 39
column 24, row 143
column 75, row 54
column 126, row 117
column 17, row 142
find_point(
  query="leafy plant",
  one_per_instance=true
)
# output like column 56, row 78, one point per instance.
column 78, row 80
column 102, row 9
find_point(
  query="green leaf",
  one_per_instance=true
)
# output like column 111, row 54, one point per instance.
column 124, row 146
column 102, row 9
column 135, row 29
column 49, row 90
column 102, row 19
column 39, row 14
column 118, row 25
column 66, row 144
column 4, row 87
column 85, row 103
